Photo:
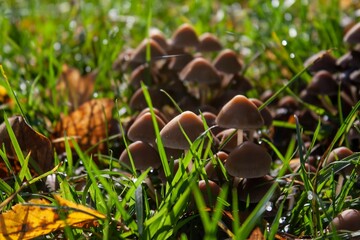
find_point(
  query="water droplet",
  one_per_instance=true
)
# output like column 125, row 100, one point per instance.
column 57, row 46
column 292, row 55
column 292, row 32
column 284, row 42
column 72, row 24
column 275, row 3
column 78, row 57
column 287, row 228
column 310, row 195
column 88, row 69
column 268, row 206
column 288, row 17
column 282, row 220
column 105, row 41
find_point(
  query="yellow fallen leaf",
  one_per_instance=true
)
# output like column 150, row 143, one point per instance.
column 38, row 217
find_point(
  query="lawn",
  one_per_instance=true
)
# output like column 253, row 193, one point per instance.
column 101, row 108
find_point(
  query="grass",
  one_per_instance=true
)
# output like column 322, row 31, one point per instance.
column 274, row 39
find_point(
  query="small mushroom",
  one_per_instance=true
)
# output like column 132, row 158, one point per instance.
column 139, row 54
column 201, row 73
column 322, row 60
column 348, row 219
column 209, row 43
column 143, row 129
column 240, row 113
column 353, row 35
column 248, row 160
column 185, row 36
column 172, row 135
column 138, row 150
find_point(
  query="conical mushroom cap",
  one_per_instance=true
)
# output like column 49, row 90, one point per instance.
column 185, row 36
column 143, row 129
column 139, row 54
column 239, row 113
column 209, row 43
column 248, row 160
column 227, row 61
column 353, row 35
column 172, row 135
column 199, row 71
column 143, row 155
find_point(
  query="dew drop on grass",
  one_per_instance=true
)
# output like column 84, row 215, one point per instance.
column 292, row 32
column 72, row 24
column 282, row 220
column 268, row 206
column 105, row 42
column 78, row 57
column 287, row 228
column 88, row 69
column 57, row 46
column 284, row 42
column 292, row 55
column 275, row 3
column 288, row 17
column 310, row 195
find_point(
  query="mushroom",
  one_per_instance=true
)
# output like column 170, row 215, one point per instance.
column 240, row 113
column 339, row 154
column 143, row 129
column 138, row 56
column 185, row 36
column 209, row 43
column 172, row 135
column 227, row 61
column 137, row 150
column 353, row 35
column 201, row 73
column 210, row 191
column 348, row 219
column 159, row 38
column 254, row 189
column 248, row 160
column 322, row 60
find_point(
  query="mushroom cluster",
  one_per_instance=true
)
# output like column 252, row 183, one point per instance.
column 194, row 70
column 211, row 94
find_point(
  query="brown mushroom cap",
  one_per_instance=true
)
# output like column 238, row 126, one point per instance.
column 199, row 71
column 322, row 60
column 323, row 83
column 255, row 189
column 143, row 155
column 212, row 188
column 138, row 101
column 240, row 113
column 227, row 61
column 172, row 135
column 209, row 43
column 139, row 54
column 353, row 35
column 185, row 36
column 248, row 160
column 265, row 112
column 159, row 38
column 143, row 129
column 348, row 219
column 340, row 153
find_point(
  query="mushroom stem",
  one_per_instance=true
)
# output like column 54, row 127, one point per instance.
column 203, row 90
column 240, row 136
column 152, row 191
column 339, row 184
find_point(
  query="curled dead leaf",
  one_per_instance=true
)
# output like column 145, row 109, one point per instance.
column 39, row 217
column 78, row 88
column 30, row 141
column 89, row 126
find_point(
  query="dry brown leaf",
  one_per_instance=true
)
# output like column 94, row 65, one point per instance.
column 78, row 88
column 38, row 217
column 88, row 125
column 29, row 141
